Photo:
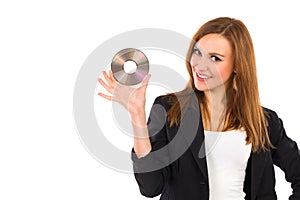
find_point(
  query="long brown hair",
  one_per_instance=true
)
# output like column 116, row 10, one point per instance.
column 243, row 103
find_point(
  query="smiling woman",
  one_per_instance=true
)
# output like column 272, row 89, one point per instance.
column 209, row 77
column 236, row 140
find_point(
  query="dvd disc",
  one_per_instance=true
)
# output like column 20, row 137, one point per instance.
column 130, row 54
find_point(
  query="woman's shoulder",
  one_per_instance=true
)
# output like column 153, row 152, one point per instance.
column 275, row 125
column 166, row 100
column 271, row 115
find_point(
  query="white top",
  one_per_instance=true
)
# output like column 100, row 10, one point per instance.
column 227, row 155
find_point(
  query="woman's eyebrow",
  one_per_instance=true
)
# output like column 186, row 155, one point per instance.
column 211, row 54
column 216, row 54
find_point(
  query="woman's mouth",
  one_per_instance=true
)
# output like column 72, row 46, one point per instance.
column 202, row 77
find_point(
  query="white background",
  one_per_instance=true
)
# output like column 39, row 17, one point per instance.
column 43, row 45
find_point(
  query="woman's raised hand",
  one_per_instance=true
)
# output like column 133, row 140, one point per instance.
column 133, row 99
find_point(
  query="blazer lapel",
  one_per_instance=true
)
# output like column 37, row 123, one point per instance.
column 198, row 151
column 258, row 165
column 194, row 135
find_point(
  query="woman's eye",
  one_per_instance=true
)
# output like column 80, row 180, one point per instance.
column 196, row 51
column 215, row 58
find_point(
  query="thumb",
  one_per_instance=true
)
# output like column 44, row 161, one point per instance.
column 146, row 80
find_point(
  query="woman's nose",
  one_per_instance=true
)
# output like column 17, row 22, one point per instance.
column 202, row 63
column 199, row 64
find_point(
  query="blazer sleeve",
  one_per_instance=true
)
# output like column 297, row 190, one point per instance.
column 286, row 155
column 151, row 180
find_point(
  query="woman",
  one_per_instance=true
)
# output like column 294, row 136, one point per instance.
column 236, row 140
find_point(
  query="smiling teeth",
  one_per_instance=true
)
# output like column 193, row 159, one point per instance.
column 203, row 76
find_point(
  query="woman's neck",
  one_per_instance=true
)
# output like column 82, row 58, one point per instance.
column 216, row 105
column 216, row 98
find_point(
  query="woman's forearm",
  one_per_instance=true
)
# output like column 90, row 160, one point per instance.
column 142, row 145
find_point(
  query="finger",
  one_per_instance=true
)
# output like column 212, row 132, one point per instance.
column 107, row 87
column 114, row 81
column 112, row 77
column 108, row 79
column 146, row 80
column 105, row 96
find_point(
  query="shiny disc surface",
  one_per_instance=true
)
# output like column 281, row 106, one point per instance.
column 130, row 54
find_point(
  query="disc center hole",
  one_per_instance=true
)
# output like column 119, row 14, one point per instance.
column 130, row 67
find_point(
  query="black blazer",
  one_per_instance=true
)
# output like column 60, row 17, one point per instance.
column 185, row 177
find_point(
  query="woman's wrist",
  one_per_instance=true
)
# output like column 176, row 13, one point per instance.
column 138, row 119
column 137, row 113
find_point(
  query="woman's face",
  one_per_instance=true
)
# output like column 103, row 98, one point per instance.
column 211, row 62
